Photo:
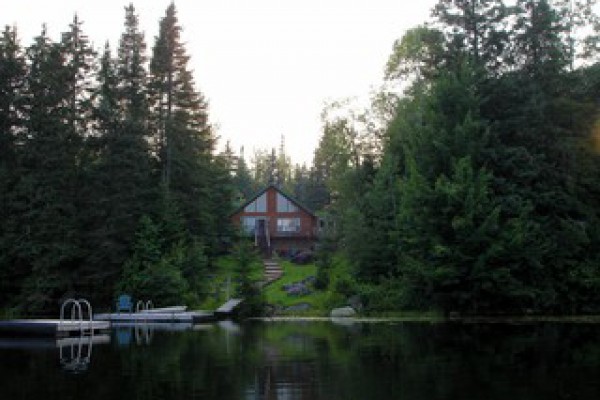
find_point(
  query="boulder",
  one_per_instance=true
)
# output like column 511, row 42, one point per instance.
column 296, row 289
column 343, row 312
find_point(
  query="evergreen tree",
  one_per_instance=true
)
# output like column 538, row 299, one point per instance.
column 284, row 167
column 263, row 168
column 44, row 214
column 79, row 62
column 184, row 135
column 180, row 110
column 131, row 70
column 244, row 185
column 247, row 271
column 475, row 28
column 123, row 187
column 103, row 255
column 12, row 79
column 153, row 273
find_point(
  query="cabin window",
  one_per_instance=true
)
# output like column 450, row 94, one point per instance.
column 248, row 224
column 288, row 224
column 258, row 205
column 285, row 205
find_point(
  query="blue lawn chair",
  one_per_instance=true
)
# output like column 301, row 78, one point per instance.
column 124, row 303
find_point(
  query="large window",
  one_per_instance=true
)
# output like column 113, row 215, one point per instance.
column 249, row 224
column 284, row 204
column 258, row 205
column 288, row 224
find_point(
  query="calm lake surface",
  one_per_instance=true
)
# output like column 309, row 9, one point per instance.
column 313, row 360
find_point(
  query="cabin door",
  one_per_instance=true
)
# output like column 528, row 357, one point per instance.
column 263, row 239
column 261, row 227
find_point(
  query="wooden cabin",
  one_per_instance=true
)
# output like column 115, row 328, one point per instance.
column 277, row 222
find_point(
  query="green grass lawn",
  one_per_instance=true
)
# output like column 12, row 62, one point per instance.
column 222, row 283
column 321, row 302
column 275, row 295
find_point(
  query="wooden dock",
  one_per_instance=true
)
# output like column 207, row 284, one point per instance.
column 158, row 317
column 228, row 308
column 51, row 327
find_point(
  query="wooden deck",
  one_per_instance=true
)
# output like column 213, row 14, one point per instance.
column 51, row 327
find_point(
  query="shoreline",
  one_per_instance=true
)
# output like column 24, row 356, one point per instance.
column 579, row 319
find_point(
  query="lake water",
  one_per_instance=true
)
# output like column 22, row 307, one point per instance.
column 313, row 360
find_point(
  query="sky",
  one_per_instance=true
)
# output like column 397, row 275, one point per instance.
column 266, row 67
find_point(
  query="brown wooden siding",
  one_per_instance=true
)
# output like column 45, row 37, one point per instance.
column 308, row 222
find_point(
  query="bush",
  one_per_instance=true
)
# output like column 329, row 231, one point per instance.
column 389, row 295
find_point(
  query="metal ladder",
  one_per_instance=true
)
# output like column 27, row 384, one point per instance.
column 141, row 306
column 77, row 360
column 77, row 314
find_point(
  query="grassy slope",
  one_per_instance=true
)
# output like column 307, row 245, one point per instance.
column 223, row 275
column 275, row 295
column 321, row 302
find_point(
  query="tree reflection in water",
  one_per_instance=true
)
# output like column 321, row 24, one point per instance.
column 320, row 360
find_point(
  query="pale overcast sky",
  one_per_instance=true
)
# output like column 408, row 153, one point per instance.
column 267, row 67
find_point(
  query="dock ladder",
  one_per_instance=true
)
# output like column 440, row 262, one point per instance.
column 141, row 306
column 77, row 313
column 78, row 359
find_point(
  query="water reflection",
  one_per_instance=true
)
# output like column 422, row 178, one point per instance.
column 322, row 360
column 75, row 353
column 142, row 333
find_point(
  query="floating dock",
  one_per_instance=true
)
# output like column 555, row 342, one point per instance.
column 167, row 310
column 162, row 326
column 154, row 326
column 158, row 317
column 51, row 327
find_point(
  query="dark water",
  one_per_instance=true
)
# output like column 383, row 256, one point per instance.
column 315, row 360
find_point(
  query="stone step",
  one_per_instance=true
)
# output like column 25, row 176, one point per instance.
column 272, row 271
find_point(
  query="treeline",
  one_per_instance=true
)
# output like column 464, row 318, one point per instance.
column 275, row 167
column 485, row 194
column 108, row 177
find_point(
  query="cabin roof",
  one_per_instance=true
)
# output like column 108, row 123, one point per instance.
column 284, row 194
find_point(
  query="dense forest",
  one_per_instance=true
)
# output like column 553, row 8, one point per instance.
column 108, row 175
column 470, row 185
column 480, row 191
